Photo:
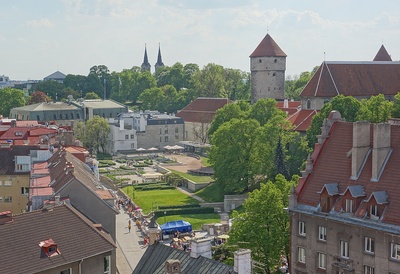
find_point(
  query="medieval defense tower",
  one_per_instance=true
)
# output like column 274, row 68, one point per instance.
column 267, row 66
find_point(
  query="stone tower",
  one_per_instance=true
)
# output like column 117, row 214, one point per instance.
column 267, row 66
column 159, row 59
column 145, row 65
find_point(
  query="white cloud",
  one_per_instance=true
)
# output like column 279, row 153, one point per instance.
column 38, row 23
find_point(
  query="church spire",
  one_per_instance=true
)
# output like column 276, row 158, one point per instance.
column 159, row 59
column 146, row 65
column 382, row 55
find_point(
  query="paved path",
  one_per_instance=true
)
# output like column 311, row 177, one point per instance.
column 129, row 244
column 194, row 196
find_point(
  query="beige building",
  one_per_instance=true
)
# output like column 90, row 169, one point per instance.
column 344, row 213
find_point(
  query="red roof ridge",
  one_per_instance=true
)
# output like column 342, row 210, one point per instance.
column 268, row 48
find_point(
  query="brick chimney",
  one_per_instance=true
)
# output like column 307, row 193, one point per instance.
column 201, row 247
column 242, row 261
column 361, row 147
column 381, row 149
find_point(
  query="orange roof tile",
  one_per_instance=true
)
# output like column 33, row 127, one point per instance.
column 268, row 48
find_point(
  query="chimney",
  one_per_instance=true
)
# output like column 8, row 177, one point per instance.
column 309, row 167
column 201, row 247
column 286, row 103
column 292, row 198
column 57, row 199
column 361, row 147
column 381, row 149
column 5, row 217
column 242, row 261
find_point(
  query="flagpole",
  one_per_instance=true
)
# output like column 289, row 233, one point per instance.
column 104, row 88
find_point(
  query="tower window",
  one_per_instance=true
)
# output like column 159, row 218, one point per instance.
column 308, row 103
column 273, row 74
column 259, row 60
column 276, row 60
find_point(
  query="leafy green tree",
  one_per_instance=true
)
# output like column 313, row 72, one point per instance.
column 294, row 87
column 91, row 95
column 96, row 133
column 189, row 70
column 10, row 98
column 51, row 88
column 210, row 81
column 80, row 132
column 237, row 84
column 230, row 154
column 264, row 109
column 396, row 106
column 376, row 109
column 75, row 82
column 225, row 114
column 264, row 225
column 152, row 98
column 280, row 160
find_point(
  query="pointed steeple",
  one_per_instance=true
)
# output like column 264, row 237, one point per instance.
column 159, row 59
column 146, row 65
column 382, row 55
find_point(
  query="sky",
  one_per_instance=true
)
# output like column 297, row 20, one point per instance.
column 40, row 37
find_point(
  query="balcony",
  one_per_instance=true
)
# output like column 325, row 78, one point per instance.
column 343, row 263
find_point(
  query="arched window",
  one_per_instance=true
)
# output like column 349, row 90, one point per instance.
column 37, row 117
column 77, row 116
column 55, row 117
column 72, row 115
column 308, row 104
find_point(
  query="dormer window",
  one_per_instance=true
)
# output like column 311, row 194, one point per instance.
column 328, row 195
column 373, row 210
column 49, row 248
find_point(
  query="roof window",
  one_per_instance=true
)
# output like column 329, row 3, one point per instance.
column 49, row 248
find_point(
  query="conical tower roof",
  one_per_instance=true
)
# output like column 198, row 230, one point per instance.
column 382, row 55
column 268, row 48
column 159, row 59
column 145, row 65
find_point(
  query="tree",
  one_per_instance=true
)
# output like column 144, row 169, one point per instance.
column 10, row 98
column 376, row 109
column 294, row 87
column 230, row 154
column 396, row 106
column 225, row 114
column 152, row 98
column 91, row 95
column 51, row 88
column 210, row 81
column 264, row 225
column 96, row 133
column 38, row 97
column 237, row 84
column 264, row 109
column 280, row 160
column 201, row 128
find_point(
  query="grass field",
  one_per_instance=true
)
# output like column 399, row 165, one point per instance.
column 211, row 193
column 149, row 199
column 194, row 178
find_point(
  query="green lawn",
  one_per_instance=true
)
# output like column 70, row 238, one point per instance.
column 211, row 193
column 147, row 199
column 194, row 178
column 204, row 161
column 196, row 220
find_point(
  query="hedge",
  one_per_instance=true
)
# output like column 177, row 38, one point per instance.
column 194, row 210
column 178, row 206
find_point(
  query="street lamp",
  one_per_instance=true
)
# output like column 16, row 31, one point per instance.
column 165, row 214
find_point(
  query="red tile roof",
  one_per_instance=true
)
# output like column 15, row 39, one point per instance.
column 382, row 55
column 301, row 120
column 202, row 110
column 74, row 234
column 354, row 79
column 27, row 123
column 333, row 165
column 268, row 48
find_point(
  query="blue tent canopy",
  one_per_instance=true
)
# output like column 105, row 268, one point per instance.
column 171, row 227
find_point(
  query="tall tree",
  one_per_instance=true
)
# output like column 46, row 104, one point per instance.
column 264, row 225
column 225, row 114
column 38, row 97
column 280, row 160
column 210, row 81
column 230, row 154
column 264, row 109
column 376, row 109
column 96, row 133
column 396, row 106
column 10, row 98
column 51, row 88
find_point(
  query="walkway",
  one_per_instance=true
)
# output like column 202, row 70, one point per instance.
column 194, row 196
column 129, row 244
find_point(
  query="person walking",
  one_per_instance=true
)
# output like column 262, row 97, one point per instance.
column 129, row 225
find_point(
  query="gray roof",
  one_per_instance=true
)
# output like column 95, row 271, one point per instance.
column 153, row 262
column 332, row 189
column 355, row 191
column 47, row 106
column 99, row 103
column 55, row 76
column 381, row 197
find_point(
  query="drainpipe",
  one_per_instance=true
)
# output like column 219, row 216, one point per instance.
column 80, row 266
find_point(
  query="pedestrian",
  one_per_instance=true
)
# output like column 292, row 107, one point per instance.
column 129, row 225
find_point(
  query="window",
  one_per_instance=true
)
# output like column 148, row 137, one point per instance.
column 8, row 199
column 166, row 139
column 55, row 117
column 344, row 249
column 373, row 210
column 7, row 183
column 1, row 183
column 78, row 116
column 107, row 265
column 126, row 137
column 349, row 205
column 38, row 117
column 369, row 245
column 308, row 104
column 322, row 260
column 302, row 229
column 160, row 139
column 132, row 145
column 273, row 74
column 72, row 115
column 301, row 255
column 160, row 131
column 61, row 116
column 275, row 60
column 176, row 130
column 369, row 269
column 1, row 199
column 166, row 131
column 67, row 271
column 110, row 114
column 24, row 190
column 132, row 137
column 322, row 233
column 395, row 251
column 259, row 60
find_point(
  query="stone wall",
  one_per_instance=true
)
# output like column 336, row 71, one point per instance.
column 232, row 202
